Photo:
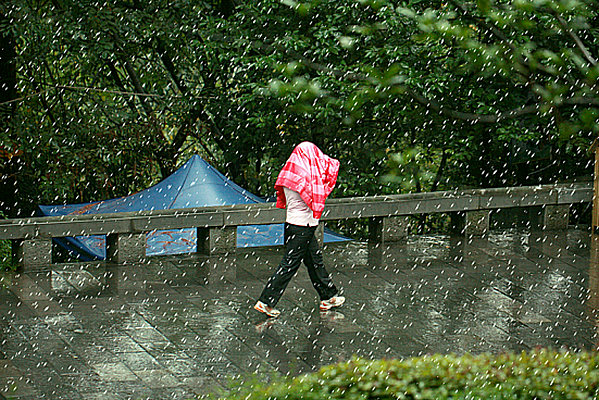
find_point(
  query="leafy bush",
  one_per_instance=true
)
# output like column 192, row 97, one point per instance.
column 6, row 262
column 6, row 256
column 540, row 374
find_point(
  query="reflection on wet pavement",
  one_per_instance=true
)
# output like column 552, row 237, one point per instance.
column 182, row 326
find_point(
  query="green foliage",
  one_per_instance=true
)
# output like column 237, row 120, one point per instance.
column 412, row 168
column 6, row 262
column 115, row 95
column 473, row 80
column 547, row 47
column 539, row 374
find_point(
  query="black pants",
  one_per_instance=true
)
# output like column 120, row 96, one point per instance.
column 300, row 245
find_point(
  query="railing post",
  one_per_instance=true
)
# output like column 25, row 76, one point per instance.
column 217, row 240
column 125, row 248
column 388, row 229
column 457, row 222
column 31, row 254
column 556, row 217
column 477, row 222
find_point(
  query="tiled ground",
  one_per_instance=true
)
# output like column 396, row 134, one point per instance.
column 180, row 327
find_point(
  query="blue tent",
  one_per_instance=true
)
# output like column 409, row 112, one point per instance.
column 195, row 184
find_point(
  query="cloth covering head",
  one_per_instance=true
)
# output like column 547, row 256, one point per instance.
column 309, row 172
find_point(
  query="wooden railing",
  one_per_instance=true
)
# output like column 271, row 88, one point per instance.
column 217, row 225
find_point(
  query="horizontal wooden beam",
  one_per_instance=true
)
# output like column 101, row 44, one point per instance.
column 266, row 213
column 103, row 224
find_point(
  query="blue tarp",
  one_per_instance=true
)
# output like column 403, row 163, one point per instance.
column 195, row 184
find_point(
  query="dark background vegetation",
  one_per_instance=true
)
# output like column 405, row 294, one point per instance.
column 100, row 99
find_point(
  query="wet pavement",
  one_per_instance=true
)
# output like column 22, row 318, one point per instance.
column 180, row 327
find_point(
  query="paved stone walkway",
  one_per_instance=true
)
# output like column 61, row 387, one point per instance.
column 178, row 327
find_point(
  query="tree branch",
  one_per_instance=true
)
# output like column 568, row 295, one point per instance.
column 138, row 87
column 576, row 39
column 169, row 65
column 196, row 112
column 460, row 115
column 166, row 161
column 494, row 118
column 114, row 74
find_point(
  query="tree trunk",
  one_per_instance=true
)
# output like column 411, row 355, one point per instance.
column 9, row 155
column 440, row 171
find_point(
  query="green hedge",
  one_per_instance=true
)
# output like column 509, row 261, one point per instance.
column 540, row 374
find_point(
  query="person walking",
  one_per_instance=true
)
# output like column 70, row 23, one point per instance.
column 302, row 186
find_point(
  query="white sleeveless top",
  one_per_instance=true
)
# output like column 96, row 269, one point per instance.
column 298, row 212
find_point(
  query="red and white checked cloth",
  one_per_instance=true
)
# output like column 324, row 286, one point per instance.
column 309, row 172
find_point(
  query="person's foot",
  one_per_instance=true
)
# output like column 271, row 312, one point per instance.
column 334, row 301
column 263, row 308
